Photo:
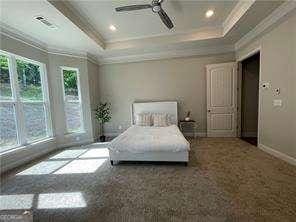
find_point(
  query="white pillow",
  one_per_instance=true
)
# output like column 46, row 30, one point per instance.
column 160, row 119
column 143, row 119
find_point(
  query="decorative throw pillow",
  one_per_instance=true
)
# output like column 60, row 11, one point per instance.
column 160, row 119
column 143, row 119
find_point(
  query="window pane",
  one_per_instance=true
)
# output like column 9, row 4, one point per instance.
column 8, row 133
column 73, row 116
column 29, row 80
column 70, row 85
column 35, row 121
column 5, row 86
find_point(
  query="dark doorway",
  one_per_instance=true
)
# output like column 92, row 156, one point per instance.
column 250, row 98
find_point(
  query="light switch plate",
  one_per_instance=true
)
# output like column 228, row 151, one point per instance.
column 277, row 102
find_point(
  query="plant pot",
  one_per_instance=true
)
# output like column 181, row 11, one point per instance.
column 103, row 138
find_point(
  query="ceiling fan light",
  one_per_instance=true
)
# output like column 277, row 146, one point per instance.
column 156, row 8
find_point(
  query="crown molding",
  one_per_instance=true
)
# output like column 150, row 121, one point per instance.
column 202, row 34
column 32, row 42
column 22, row 37
column 77, row 54
column 56, row 51
column 191, row 32
column 92, row 58
column 236, row 13
column 200, row 51
column 19, row 36
column 270, row 20
column 77, row 19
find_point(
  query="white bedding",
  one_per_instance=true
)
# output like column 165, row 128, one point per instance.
column 140, row 139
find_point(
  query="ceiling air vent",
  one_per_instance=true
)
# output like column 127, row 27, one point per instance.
column 45, row 22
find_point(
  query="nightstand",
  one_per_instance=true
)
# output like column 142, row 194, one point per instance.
column 190, row 123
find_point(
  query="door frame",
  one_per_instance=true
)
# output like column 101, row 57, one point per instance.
column 239, row 86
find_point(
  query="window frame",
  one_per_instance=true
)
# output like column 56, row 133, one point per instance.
column 82, row 128
column 18, row 104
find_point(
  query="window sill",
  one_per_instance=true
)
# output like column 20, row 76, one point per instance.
column 35, row 143
column 77, row 133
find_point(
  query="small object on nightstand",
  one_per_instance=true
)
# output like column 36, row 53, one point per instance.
column 187, row 118
column 192, row 123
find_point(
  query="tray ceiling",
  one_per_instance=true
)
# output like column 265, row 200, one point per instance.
column 186, row 16
column 83, row 26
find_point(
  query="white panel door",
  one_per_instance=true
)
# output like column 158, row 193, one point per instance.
column 222, row 100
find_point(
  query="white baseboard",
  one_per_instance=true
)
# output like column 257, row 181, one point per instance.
column 278, row 154
column 191, row 134
column 78, row 143
column 249, row 134
column 111, row 134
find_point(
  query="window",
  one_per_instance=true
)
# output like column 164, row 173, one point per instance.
column 72, row 100
column 8, row 127
column 24, row 104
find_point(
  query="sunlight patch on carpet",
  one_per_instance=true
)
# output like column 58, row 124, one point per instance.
column 15, row 202
column 61, row 200
column 45, row 167
column 96, row 153
column 81, row 166
column 68, row 154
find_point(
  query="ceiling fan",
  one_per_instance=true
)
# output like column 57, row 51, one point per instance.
column 156, row 8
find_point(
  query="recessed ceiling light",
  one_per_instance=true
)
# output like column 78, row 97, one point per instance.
column 112, row 28
column 209, row 13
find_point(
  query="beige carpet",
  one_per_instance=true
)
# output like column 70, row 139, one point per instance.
column 226, row 180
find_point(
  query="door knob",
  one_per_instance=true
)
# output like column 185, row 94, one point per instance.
column 209, row 110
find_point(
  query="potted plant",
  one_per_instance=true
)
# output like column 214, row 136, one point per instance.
column 103, row 115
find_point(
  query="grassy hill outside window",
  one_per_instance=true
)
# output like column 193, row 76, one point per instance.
column 72, row 100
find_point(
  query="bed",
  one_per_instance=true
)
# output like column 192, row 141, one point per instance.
column 149, row 143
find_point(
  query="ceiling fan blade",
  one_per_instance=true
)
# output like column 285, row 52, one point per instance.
column 165, row 19
column 132, row 7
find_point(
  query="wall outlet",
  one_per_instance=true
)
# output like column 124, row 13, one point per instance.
column 77, row 138
column 120, row 127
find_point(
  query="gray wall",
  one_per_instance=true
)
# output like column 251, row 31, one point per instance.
column 181, row 79
column 93, row 78
column 278, row 55
column 55, row 63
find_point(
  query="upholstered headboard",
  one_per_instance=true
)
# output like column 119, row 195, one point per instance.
column 171, row 108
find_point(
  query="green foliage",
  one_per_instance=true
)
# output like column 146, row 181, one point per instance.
column 28, row 73
column 70, row 79
column 103, row 112
column 32, row 93
column 4, row 72
column 29, row 79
